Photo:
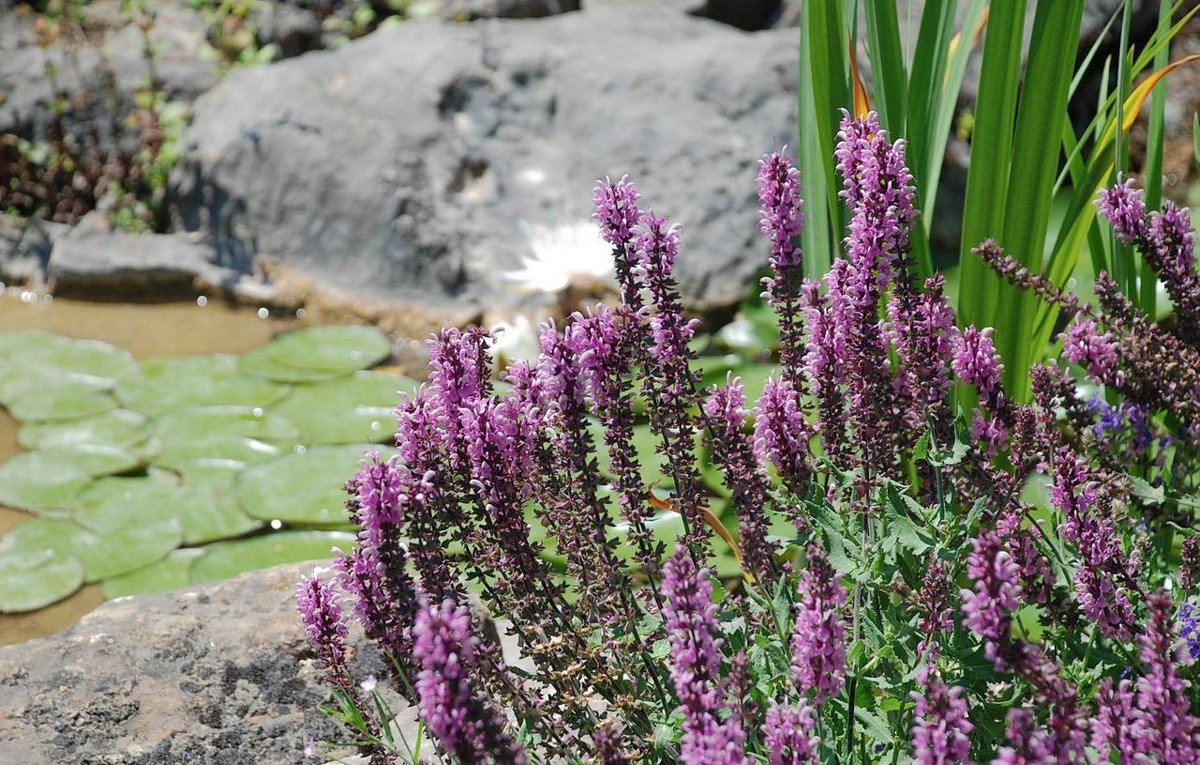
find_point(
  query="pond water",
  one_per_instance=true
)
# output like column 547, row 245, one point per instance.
column 145, row 330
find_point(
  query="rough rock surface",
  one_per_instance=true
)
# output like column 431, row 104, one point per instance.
column 25, row 246
column 218, row 675
column 412, row 163
column 93, row 260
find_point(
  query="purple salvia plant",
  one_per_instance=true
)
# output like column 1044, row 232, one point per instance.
column 941, row 732
column 987, row 607
column 1086, row 344
column 321, row 614
column 789, row 734
column 933, row 603
column 781, row 222
column 921, row 327
column 1165, row 240
column 670, row 384
column 602, row 343
column 1029, row 744
column 690, row 620
column 608, row 745
column 819, row 634
column 1163, row 728
column 823, row 368
column 1189, row 564
column 725, row 409
column 977, row 363
column 465, row 725
column 618, row 215
column 781, row 434
column 1102, row 582
column 1114, row 711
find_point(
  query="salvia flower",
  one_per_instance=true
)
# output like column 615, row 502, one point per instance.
column 781, row 222
column 781, row 433
column 608, row 745
column 465, row 725
column 1189, row 628
column 789, row 734
column 988, row 606
column 941, row 732
column 1085, row 344
column 819, row 635
column 1163, row 728
column 618, row 215
column 977, row 363
column 725, row 409
column 1029, row 744
column 690, row 620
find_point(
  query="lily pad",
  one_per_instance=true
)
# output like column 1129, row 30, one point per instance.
column 169, row 384
column 222, row 516
column 246, row 421
column 45, row 355
column 110, row 503
column 170, row 573
column 65, row 399
column 102, row 555
column 117, row 428
column 220, row 446
column 302, row 488
column 34, row 580
column 51, row 479
column 259, row 362
column 317, row 353
column 358, row 409
column 224, row 560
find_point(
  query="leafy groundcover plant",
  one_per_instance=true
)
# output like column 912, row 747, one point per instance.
column 1012, row 585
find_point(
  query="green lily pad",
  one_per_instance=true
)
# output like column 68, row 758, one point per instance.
column 246, row 421
column 110, row 503
column 34, row 580
column 223, row 560
column 220, row 446
column 102, row 555
column 222, row 516
column 358, row 409
column 169, row 384
column 170, row 573
column 117, row 428
column 51, row 479
column 45, row 355
column 65, row 399
column 344, row 348
column 304, row 488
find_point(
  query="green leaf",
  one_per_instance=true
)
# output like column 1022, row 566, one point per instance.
column 245, row 421
column 34, row 580
column 317, row 353
column 359, row 409
column 169, row 384
column 66, row 398
column 102, row 555
column 224, row 560
column 170, row 573
column 49, row 480
column 303, row 488
column 33, row 356
column 223, row 517
column 1143, row 490
column 118, row 428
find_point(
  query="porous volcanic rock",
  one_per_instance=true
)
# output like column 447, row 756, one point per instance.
column 216, row 675
column 412, row 164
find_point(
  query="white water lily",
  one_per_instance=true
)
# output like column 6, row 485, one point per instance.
column 515, row 340
column 563, row 256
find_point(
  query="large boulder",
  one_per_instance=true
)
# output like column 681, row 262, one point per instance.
column 415, row 163
column 217, row 675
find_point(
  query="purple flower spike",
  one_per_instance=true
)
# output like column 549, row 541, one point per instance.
column 1125, row 208
column 1085, row 344
column 748, row 487
column 466, row 726
column 988, row 608
column 819, row 635
column 1163, row 729
column 1030, row 744
column 941, row 734
column 691, row 625
column 789, row 734
column 977, row 363
column 781, row 222
column 781, row 434
column 321, row 613
column 782, row 219
column 608, row 745
column 618, row 215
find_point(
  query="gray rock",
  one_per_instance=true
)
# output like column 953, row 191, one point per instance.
column 25, row 246
column 470, row 10
column 412, row 163
column 219, row 675
column 96, row 262
column 295, row 30
column 114, row 59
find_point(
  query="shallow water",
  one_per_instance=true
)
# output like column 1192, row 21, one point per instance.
column 145, row 330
